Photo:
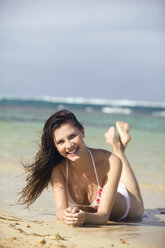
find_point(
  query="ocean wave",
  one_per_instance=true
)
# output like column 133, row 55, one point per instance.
column 108, row 110
column 85, row 101
column 158, row 113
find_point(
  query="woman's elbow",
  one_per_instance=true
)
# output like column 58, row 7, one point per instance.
column 104, row 219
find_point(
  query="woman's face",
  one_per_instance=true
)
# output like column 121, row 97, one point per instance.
column 69, row 141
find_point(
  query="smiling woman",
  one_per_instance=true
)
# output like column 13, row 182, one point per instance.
column 68, row 140
column 89, row 185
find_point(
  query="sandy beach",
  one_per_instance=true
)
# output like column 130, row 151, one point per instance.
column 148, row 232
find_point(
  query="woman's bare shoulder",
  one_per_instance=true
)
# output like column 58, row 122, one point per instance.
column 101, row 153
column 105, row 157
column 59, row 170
column 101, row 156
column 58, row 177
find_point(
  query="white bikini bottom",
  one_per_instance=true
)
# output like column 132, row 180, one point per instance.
column 122, row 190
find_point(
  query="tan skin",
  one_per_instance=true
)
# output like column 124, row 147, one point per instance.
column 83, row 188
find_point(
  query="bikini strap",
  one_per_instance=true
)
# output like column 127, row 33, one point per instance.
column 94, row 166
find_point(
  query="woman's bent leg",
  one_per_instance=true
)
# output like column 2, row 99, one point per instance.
column 127, row 177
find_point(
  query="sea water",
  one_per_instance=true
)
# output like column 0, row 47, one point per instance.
column 21, row 124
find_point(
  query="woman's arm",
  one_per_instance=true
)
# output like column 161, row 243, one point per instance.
column 59, row 192
column 63, row 211
column 107, row 197
column 110, row 186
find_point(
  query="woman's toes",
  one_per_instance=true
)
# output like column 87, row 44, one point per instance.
column 123, row 129
column 110, row 136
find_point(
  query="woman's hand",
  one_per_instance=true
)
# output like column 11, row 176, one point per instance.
column 74, row 216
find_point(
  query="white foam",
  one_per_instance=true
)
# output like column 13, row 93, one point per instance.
column 60, row 107
column 91, row 101
column 88, row 109
column 158, row 113
column 108, row 110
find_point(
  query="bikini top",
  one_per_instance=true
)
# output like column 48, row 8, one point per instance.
column 95, row 204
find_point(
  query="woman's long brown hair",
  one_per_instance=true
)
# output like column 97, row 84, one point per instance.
column 39, row 172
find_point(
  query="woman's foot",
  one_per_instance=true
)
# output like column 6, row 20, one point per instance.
column 113, row 140
column 123, row 130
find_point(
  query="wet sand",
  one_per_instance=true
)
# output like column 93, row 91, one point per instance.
column 148, row 232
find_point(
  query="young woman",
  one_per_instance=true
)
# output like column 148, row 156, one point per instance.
column 89, row 185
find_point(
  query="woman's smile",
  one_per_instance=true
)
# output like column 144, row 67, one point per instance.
column 73, row 151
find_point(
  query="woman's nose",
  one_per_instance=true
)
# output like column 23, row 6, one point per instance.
column 68, row 144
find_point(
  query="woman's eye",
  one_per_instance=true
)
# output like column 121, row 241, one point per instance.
column 73, row 136
column 59, row 142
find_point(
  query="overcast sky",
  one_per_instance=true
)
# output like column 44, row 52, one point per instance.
column 83, row 48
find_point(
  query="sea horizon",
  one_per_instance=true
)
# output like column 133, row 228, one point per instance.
column 103, row 105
